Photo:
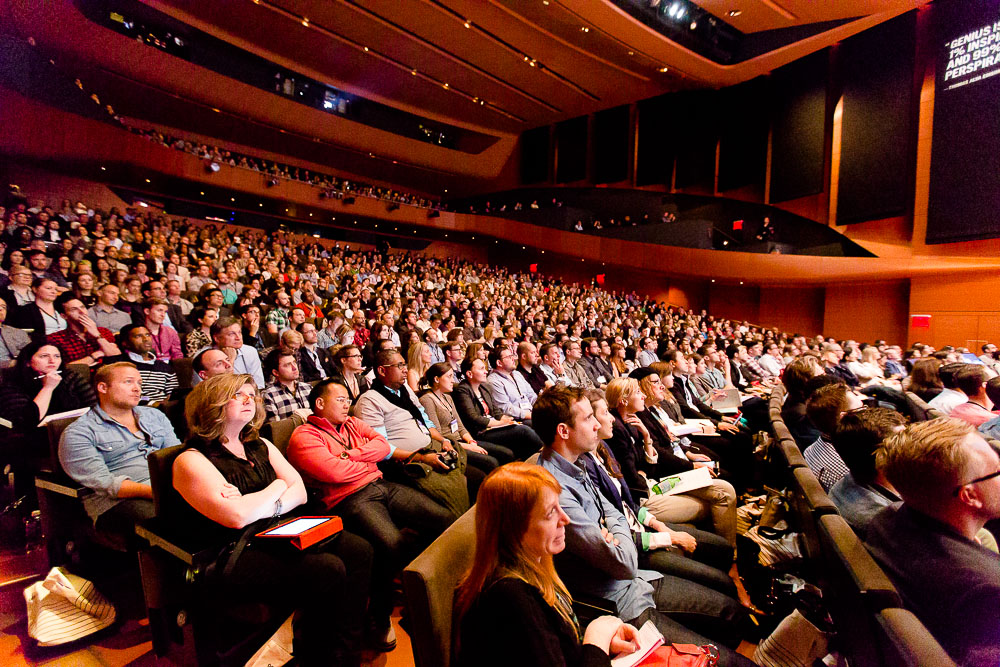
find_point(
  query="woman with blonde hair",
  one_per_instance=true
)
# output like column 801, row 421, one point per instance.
column 640, row 461
column 418, row 361
column 512, row 607
column 235, row 485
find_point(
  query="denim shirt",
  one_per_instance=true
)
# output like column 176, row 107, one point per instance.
column 99, row 453
column 589, row 564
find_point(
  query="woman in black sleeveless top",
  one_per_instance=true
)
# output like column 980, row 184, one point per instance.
column 240, row 484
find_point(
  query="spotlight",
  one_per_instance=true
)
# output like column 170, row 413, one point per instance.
column 349, row 200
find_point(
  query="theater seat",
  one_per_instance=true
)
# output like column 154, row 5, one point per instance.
column 184, row 370
column 791, row 454
column 906, row 642
column 809, row 502
column 280, row 432
column 429, row 584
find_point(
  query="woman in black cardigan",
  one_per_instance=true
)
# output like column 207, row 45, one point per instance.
column 484, row 419
column 512, row 608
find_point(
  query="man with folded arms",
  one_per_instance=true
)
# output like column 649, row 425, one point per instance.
column 338, row 456
column 106, row 449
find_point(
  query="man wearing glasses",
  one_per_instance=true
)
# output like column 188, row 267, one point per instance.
column 338, row 455
column 949, row 479
column 512, row 393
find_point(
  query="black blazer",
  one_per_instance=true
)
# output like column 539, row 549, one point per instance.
column 668, row 463
column 29, row 316
column 309, row 371
column 695, row 409
column 470, row 410
column 627, row 446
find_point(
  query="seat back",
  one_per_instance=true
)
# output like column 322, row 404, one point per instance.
column 161, row 477
column 921, row 409
column 184, row 369
column 280, row 432
column 854, row 589
column 809, row 501
column 55, row 430
column 792, row 455
column 83, row 370
column 905, row 642
column 429, row 585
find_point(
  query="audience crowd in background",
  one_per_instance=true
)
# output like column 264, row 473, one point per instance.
column 412, row 378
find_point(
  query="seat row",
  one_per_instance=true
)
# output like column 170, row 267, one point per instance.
column 873, row 628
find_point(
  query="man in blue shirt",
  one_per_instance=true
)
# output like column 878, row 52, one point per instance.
column 601, row 557
column 106, row 449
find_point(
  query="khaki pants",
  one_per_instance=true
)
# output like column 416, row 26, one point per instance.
column 717, row 500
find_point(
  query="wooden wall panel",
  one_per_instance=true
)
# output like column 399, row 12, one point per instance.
column 867, row 311
column 737, row 302
column 793, row 309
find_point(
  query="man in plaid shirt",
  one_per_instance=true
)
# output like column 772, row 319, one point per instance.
column 277, row 319
column 286, row 393
column 82, row 341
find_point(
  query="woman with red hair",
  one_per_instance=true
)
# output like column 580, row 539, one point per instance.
column 512, row 607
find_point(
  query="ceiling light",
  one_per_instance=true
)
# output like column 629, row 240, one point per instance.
column 445, row 86
column 366, row 49
column 735, row 12
column 413, row 72
column 527, row 59
column 585, row 29
column 713, row 280
column 305, row 21
column 232, row 199
column 259, row 204
column 694, row 24
column 545, row 2
column 104, row 168
column 202, row 194
column 631, row 53
column 468, row 24
column 664, row 69
column 147, row 180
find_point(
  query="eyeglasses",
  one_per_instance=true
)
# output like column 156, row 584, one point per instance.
column 958, row 488
column 353, row 356
column 345, row 400
column 244, row 398
column 401, row 365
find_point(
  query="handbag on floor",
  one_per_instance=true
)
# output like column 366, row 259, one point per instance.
column 64, row 608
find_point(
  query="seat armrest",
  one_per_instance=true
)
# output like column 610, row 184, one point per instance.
column 175, row 541
column 61, row 484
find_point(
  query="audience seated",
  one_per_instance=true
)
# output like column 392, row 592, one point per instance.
column 601, row 557
column 106, row 449
column 104, row 313
column 82, row 341
column 949, row 479
column 338, row 456
column 158, row 377
column 236, row 485
column 825, row 408
column 950, row 396
column 285, row 392
column 12, row 340
column 513, row 584
column 393, row 410
column 481, row 414
column 865, row 490
column 40, row 316
column 315, row 362
column 38, row 386
column 511, row 392
column 228, row 337
column 971, row 380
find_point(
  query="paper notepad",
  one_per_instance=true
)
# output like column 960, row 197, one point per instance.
column 682, row 482
column 649, row 640
column 69, row 414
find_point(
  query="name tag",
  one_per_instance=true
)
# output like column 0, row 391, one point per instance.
column 601, row 379
column 453, row 426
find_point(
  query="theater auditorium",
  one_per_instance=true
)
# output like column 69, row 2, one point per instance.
column 473, row 333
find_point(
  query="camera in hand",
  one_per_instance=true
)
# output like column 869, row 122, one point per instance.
column 449, row 459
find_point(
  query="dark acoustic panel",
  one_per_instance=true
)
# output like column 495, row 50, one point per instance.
column 745, row 110
column 610, row 147
column 798, row 125
column 697, row 136
column 571, row 150
column 535, row 155
column 965, row 149
column 877, row 128
column 655, row 142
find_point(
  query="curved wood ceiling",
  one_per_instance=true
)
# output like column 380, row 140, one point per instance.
column 494, row 66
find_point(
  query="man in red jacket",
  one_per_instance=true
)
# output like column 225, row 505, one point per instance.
column 338, row 455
